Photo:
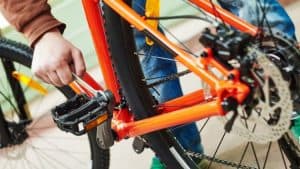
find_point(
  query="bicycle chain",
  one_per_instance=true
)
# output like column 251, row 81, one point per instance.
column 168, row 78
column 216, row 160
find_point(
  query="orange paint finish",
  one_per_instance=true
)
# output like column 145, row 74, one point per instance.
column 75, row 87
column 120, row 119
column 96, row 122
column 89, row 80
column 95, row 23
column 182, row 116
column 78, row 89
column 184, row 101
column 231, row 87
column 227, row 17
column 209, row 60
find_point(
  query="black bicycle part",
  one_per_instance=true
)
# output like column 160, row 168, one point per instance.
column 105, row 136
column 14, row 133
column 77, row 113
column 139, row 145
column 73, row 115
column 16, row 89
column 225, row 44
column 290, row 150
column 230, row 104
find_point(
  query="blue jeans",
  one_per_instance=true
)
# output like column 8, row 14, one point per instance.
column 276, row 17
column 154, row 66
column 187, row 135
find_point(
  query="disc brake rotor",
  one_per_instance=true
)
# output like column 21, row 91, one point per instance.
column 271, row 116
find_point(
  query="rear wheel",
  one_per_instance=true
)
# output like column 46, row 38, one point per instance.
column 32, row 139
column 221, row 149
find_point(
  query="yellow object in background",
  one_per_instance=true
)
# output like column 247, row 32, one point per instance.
column 152, row 10
column 28, row 81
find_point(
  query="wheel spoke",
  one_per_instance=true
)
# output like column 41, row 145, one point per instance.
column 244, row 153
column 282, row 156
column 217, row 149
column 255, row 155
column 69, row 154
column 267, row 155
column 203, row 126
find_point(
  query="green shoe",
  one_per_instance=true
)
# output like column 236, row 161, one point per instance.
column 156, row 164
column 203, row 164
column 296, row 128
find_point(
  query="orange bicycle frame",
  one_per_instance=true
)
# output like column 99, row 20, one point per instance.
column 185, row 109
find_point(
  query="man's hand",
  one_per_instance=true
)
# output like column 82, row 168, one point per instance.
column 55, row 58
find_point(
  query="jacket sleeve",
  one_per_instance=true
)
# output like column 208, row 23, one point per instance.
column 31, row 17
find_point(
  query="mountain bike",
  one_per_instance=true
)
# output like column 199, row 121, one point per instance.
column 249, row 76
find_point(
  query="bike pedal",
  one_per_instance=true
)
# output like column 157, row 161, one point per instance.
column 81, row 114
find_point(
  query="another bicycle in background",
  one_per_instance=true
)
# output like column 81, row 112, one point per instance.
column 29, row 138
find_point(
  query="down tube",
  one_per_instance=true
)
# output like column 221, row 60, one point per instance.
column 95, row 22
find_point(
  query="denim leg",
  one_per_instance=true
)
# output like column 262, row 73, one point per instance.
column 187, row 135
column 153, row 66
column 250, row 10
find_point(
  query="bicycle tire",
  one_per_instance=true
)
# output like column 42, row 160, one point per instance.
column 129, row 74
column 22, row 54
column 128, row 69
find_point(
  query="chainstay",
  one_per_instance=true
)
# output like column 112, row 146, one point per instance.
column 216, row 160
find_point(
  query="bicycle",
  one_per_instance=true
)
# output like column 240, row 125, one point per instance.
column 240, row 96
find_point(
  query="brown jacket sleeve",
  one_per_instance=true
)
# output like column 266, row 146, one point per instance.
column 31, row 17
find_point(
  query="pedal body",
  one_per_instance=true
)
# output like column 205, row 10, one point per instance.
column 81, row 114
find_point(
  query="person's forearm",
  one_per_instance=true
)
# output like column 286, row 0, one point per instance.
column 31, row 17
